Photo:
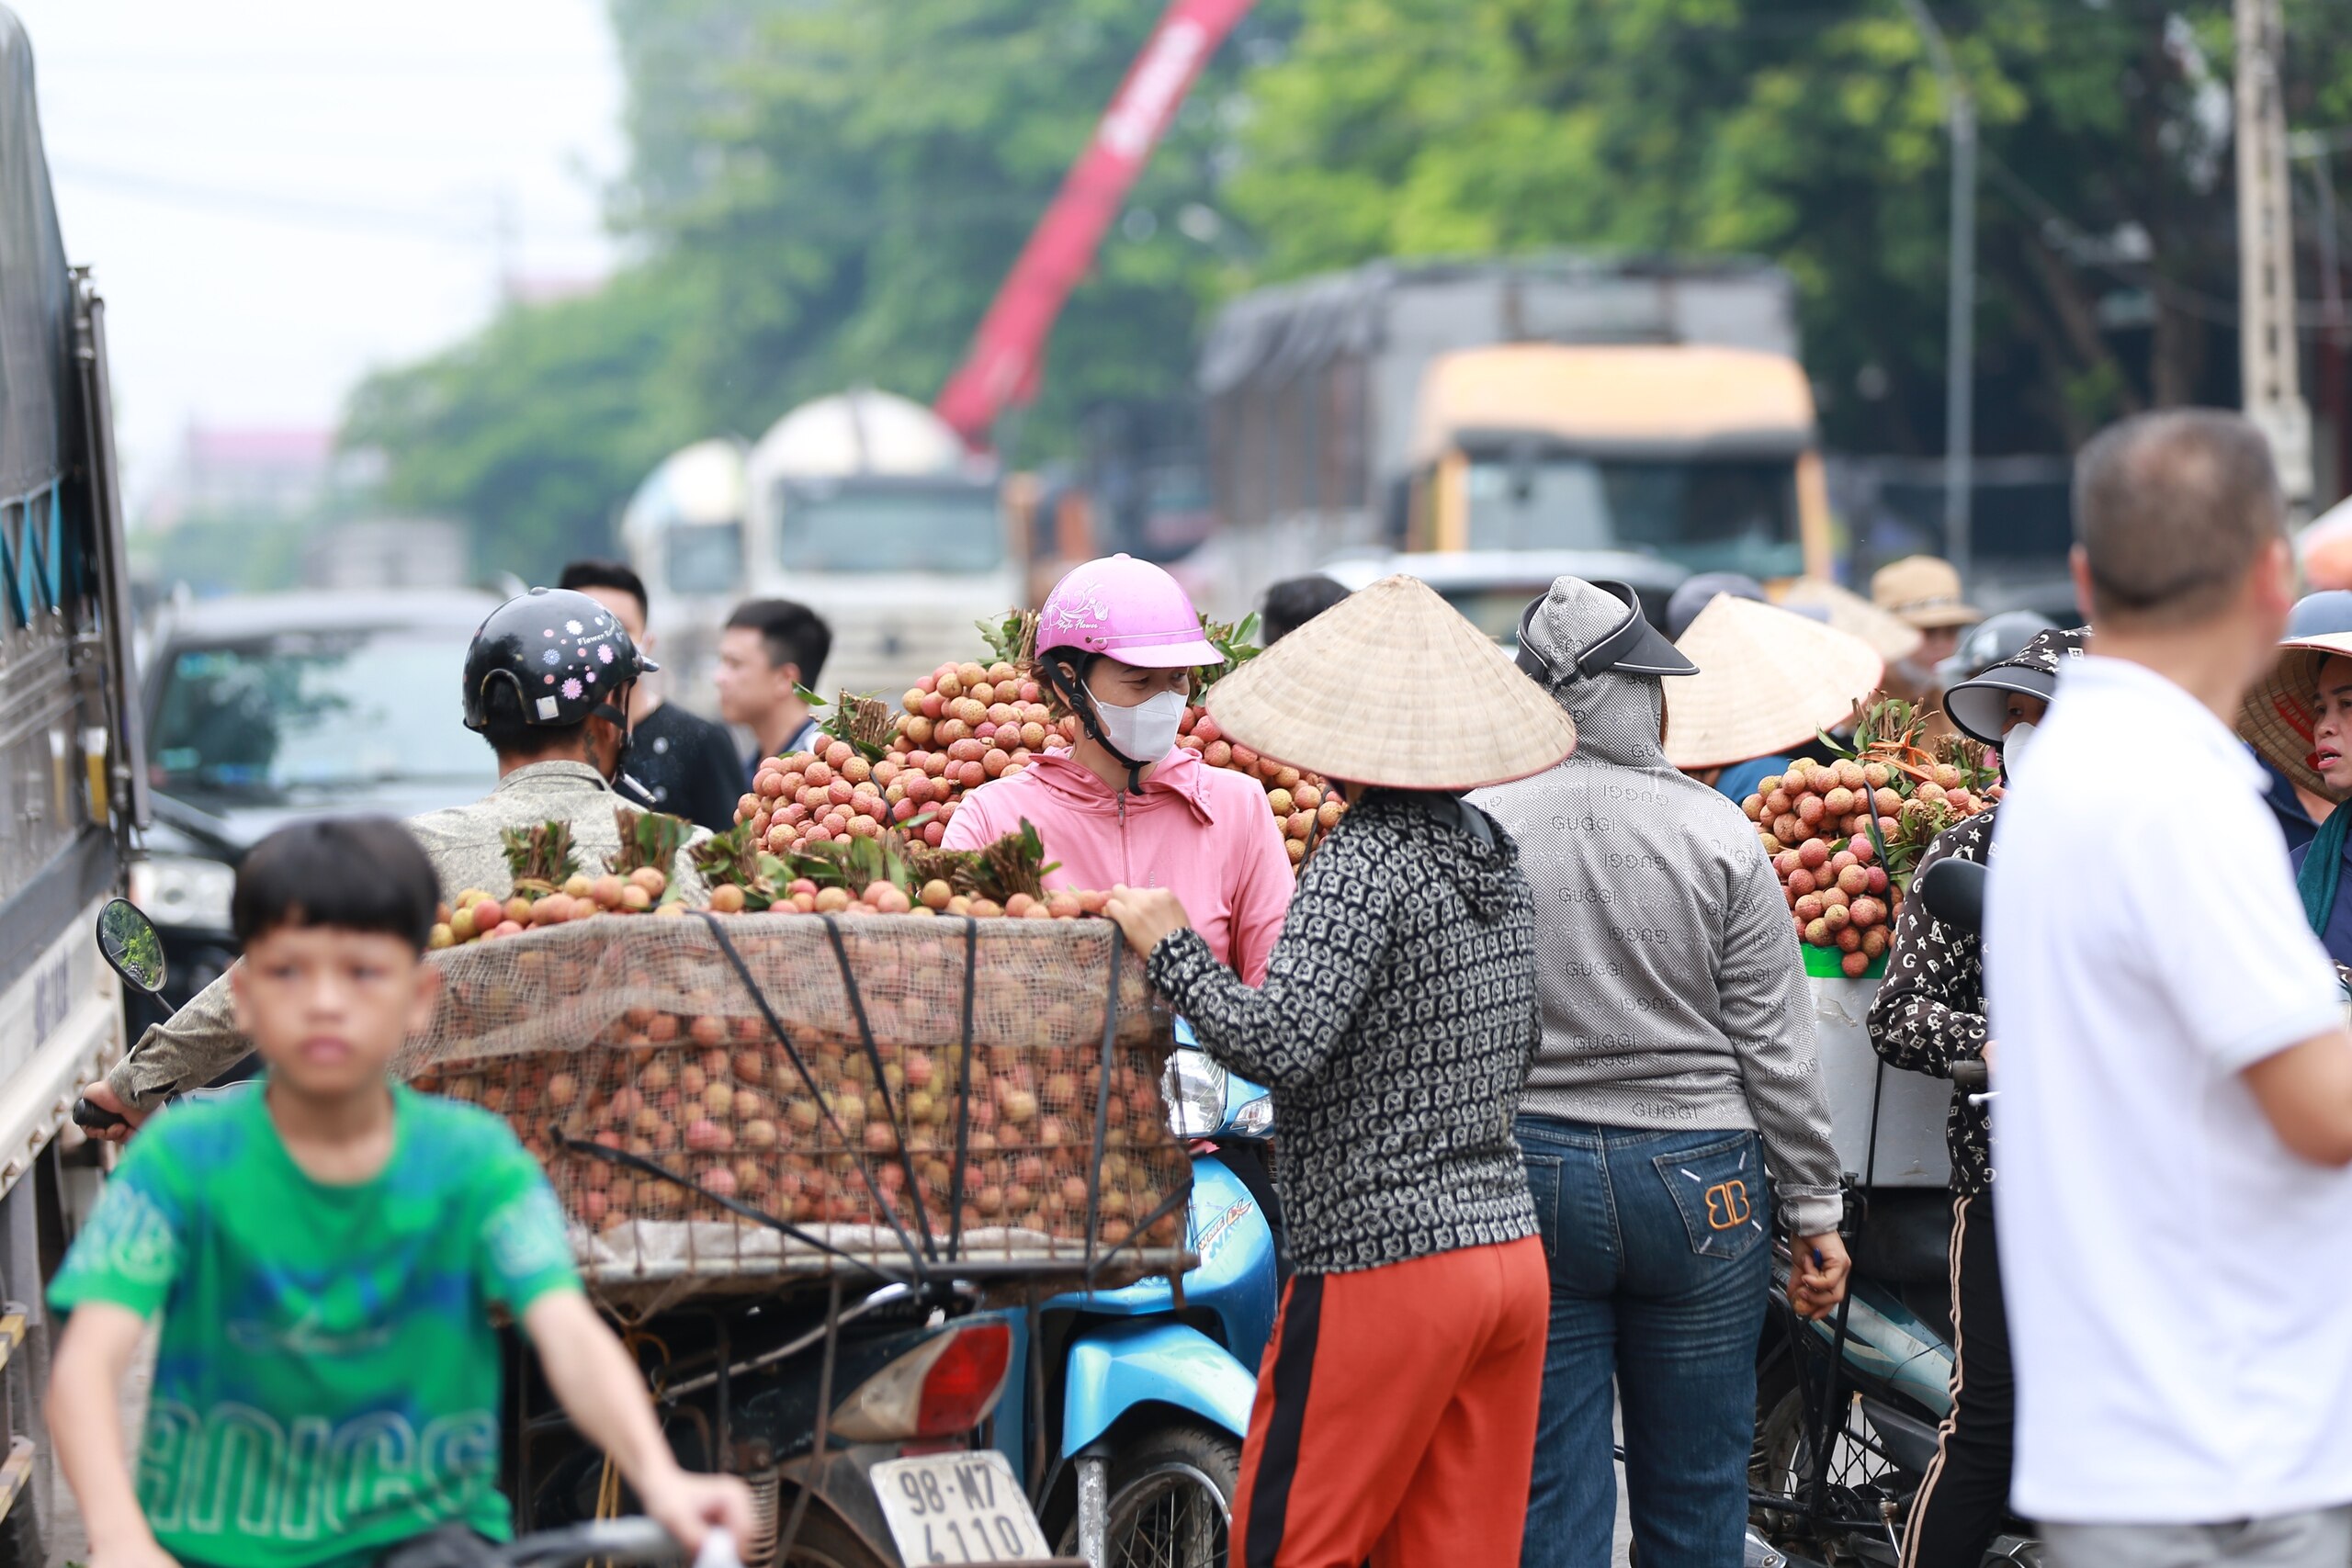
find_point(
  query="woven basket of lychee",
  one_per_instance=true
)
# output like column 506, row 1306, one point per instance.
column 1844, row 835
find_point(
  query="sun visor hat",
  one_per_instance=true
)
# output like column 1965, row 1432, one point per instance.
column 1979, row 704
column 1632, row 647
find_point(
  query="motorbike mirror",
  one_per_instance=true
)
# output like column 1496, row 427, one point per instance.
column 1954, row 893
column 128, row 942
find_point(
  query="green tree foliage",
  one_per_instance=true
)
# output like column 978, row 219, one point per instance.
column 1812, row 131
column 828, row 193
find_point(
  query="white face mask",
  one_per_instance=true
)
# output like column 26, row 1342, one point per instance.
column 1142, row 733
column 2013, row 744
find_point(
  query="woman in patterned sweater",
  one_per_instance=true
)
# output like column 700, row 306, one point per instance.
column 1395, row 1419
column 1927, row 1015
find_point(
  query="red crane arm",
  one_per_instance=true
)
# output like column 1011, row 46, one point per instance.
column 1002, row 367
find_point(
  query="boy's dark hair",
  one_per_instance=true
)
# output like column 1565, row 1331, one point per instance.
column 361, row 874
column 793, row 633
column 2172, row 509
column 1293, row 602
column 511, row 734
column 606, row 575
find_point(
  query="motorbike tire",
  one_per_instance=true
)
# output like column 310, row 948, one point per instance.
column 825, row 1542
column 1160, row 1486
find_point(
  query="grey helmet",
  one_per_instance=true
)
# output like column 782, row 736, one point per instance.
column 1989, row 642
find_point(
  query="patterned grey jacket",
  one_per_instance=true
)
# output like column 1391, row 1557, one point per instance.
column 1395, row 1028
column 199, row 1042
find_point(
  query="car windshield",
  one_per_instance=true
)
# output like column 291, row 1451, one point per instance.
column 1701, row 515
column 876, row 527
column 309, row 714
column 706, row 558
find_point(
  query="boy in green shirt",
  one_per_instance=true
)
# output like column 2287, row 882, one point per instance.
column 324, row 1255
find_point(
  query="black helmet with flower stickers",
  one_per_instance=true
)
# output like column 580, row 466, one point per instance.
column 563, row 652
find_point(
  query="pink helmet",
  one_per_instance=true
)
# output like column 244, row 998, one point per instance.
column 1129, row 610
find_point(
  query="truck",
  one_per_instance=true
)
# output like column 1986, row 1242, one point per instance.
column 1559, row 403
column 73, row 781
column 866, row 507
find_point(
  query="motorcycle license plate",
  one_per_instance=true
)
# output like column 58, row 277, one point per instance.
column 959, row 1507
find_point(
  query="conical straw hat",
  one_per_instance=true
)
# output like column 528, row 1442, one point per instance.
column 1894, row 637
column 1391, row 686
column 2278, row 716
column 1767, row 678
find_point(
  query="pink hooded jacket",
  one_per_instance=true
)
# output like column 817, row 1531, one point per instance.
column 1202, row 833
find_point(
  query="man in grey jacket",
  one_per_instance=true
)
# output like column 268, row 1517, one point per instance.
column 547, row 684
column 1676, row 1067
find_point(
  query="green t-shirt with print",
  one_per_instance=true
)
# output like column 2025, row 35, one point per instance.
column 327, row 1377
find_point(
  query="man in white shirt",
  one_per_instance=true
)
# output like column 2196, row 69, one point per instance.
column 2174, row 1118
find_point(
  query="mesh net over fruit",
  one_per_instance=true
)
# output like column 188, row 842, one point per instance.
column 969, row 1119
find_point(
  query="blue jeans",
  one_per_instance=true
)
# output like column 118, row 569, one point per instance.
column 1660, row 1262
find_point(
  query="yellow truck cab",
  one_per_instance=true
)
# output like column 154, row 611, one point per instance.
column 1706, row 458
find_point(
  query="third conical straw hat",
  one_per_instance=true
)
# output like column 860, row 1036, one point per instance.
column 1392, row 687
column 1767, row 678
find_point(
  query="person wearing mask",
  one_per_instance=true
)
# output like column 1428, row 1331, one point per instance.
column 1767, row 683
column 770, row 651
column 548, row 680
column 1928, row 1013
column 678, row 762
column 1395, row 1416
column 1291, row 603
column 1117, row 643
column 1675, row 1104
column 2296, row 795
column 2174, row 1079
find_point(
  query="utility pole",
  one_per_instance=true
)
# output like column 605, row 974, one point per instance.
column 2266, row 340
column 1959, row 321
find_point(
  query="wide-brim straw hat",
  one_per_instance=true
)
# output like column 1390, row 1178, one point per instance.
column 1892, row 637
column 1392, row 687
column 1769, row 679
column 2278, row 716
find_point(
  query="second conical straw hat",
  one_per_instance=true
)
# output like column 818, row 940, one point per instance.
column 1392, row 687
column 1894, row 637
column 1767, row 678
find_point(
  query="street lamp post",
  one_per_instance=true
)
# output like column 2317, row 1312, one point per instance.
column 1960, row 322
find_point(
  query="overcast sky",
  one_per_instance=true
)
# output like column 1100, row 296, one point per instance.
column 281, row 195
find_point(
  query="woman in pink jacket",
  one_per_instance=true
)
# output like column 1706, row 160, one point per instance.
column 1126, row 806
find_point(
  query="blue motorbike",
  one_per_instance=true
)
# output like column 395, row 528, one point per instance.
column 1129, row 1439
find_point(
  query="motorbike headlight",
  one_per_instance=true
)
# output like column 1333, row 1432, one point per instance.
column 182, row 890
column 1195, row 1089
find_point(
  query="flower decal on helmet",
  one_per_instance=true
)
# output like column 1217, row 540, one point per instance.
column 571, row 691
column 550, row 657
column 572, row 627
column 604, row 653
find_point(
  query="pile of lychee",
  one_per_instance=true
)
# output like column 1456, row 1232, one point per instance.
column 1827, row 827
column 477, row 916
column 960, row 726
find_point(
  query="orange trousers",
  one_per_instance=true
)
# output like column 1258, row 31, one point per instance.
column 1395, row 1421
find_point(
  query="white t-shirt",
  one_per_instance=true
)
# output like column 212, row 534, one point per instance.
column 2179, row 1285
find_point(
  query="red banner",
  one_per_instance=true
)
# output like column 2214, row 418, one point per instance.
column 1002, row 367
